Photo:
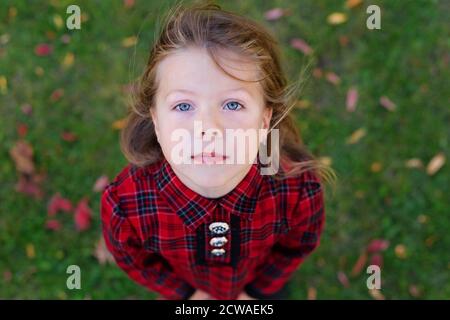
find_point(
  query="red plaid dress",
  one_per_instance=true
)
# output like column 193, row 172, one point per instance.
column 161, row 233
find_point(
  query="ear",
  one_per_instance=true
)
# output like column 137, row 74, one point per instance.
column 267, row 116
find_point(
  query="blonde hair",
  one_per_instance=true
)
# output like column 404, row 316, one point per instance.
column 210, row 27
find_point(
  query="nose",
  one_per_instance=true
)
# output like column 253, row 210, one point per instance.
column 210, row 122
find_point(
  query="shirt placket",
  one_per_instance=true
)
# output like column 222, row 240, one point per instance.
column 218, row 237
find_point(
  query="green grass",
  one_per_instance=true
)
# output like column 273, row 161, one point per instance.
column 407, row 60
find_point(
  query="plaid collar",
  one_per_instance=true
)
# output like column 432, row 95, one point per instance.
column 194, row 208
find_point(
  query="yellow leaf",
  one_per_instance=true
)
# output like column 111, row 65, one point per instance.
column 129, row 42
column 119, row 124
column 376, row 167
column 31, row 253
column 400, row 251
column 327, row 161
column 414, row 163
column 68, row 60
column 337, row 18
column 356, row 136
column 436, row 163
column 58, row 21
column 3, row 85
column 352, row 3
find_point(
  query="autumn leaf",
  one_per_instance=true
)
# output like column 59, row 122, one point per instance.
column 58, row 21
column 274, row 14
column 3, row 85
column 414, row 163
column 376, row 294
column 68, row 60
column 43, row 49
column 22, row 130
column 436, row 163
column 359, row 264
column 82, row 215
column 53, row 225
column 129, row 41
column 30, row 185
column 333, row 78
column 102, row 253
column 312, row 293
column 387, row 103
column 58, row 203
column 400, row 251
column 352, row 99
column 377, row 245
column 301, row 45
column 22, row 154
column 342, row 277
column 119, row 124
column 356, row 136
column 69, row 136
column 101, row 183
column 336, row 18
column 352, row 3
column 30, row 251
column 376, row 259
column 56, row 95
column 26, row 109
column 128, row 3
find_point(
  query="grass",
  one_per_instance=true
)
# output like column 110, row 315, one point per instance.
column 407, row 60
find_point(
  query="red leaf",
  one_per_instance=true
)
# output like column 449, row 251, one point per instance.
column 333, row 78
column 274, row 14
column 82, row 215
column 52, row 224
column 69, row 136
column 377, row 245
column 128, row 3
column 43, row 49
column 387, row 103
column 30, row 185
column 342, row 277
column 22, row 129
column 377, row 259
column 301, row 45
column 58, row 203
column 56, row 95
column 352, row 99
column 359, row 264
column 101, row 183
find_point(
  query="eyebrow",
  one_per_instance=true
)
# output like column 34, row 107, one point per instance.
column 187, row 91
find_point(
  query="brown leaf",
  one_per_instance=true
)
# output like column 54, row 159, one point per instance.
column 414, row 163
column 376, row 294
column 436, row 163
column 387, row 103
column 352, row 3
column 22, row 154
column 359, row 264
column 312, row 293
column 400, row 251
column 356, row 136
column 119, row 124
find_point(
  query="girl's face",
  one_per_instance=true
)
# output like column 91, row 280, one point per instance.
column 192, row 89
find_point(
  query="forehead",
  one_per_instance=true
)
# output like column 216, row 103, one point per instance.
column 194, row 69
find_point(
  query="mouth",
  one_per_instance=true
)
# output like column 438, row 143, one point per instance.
column 209, row 158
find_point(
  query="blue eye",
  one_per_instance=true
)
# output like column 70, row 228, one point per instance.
column 233, row 105
column 183, row 106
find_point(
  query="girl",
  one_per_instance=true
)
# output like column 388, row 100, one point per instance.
column 212, row 228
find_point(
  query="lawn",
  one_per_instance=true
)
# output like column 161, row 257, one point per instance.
column 65, row 91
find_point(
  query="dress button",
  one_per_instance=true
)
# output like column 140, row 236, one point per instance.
column 218, row 252
column 218, row 241
column 219, row 227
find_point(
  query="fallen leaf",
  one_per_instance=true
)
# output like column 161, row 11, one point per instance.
column 119, row 124
column 342, row 277
column 312, row 293
column 317, row 73
column 337, row 18
column 58, row 203
column 352, row 99
column 22, row 130
column 43, row 49
column 102, row 253
column 31, row 252
column 53, row 225
column 68, row 60
column 22, row 154
column 377, row 245
column 65, row 38
column 303, row 104
column 326, row 161
column 414, row 163
column 436, row 163
column 301, row 45
column 56, row 95
column 26, row 109
column 58, row 21
column 376, row 167
column 344, row 41
column 333, row 78
column 422, row 218
column 359, row 264
column 387, row 103
column 69, row 136
column 376, row 259
column 356, row 136
column 414, row 291
column 274, row 14
column 128, row 3
column 3, row 85
column 82, row 215
column 400, row 251
column 352, row 3
column 39, row 71
column 129, row 41
column 101, row 183
column 376, row 294
column 30, row 185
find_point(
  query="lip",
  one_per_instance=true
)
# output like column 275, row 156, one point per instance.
column 210, row 157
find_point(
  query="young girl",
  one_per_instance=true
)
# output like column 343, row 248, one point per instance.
column 209, row 228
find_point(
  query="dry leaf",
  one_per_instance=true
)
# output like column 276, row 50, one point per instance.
column 82, row 215
column 68, row 60
column 56, row 95
column 22, row 154
column 129, row 41
column 312, row 293
column 414, row 163
column 317, row 73
column 376, row 167
column 119, row 124
column 359, row 264
column 30, row 185
column 101, row 183
column 400, row 251
column 102, row 253
column 376, row 294
column 69, row 136
column 422, row 218
column 301, row 45
column 333, row 78
column 3, row 85
column 26, row 109
column 352, row 3
column 414, row 291
column 337, row 18
column 22, row 130
column 352, row 99
column 43, row 49
column 274, row 14
column 387, row 103
column 31, row 252
column 58, row 21
column 436, row 163
column 377, row 245
column 356, row 136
